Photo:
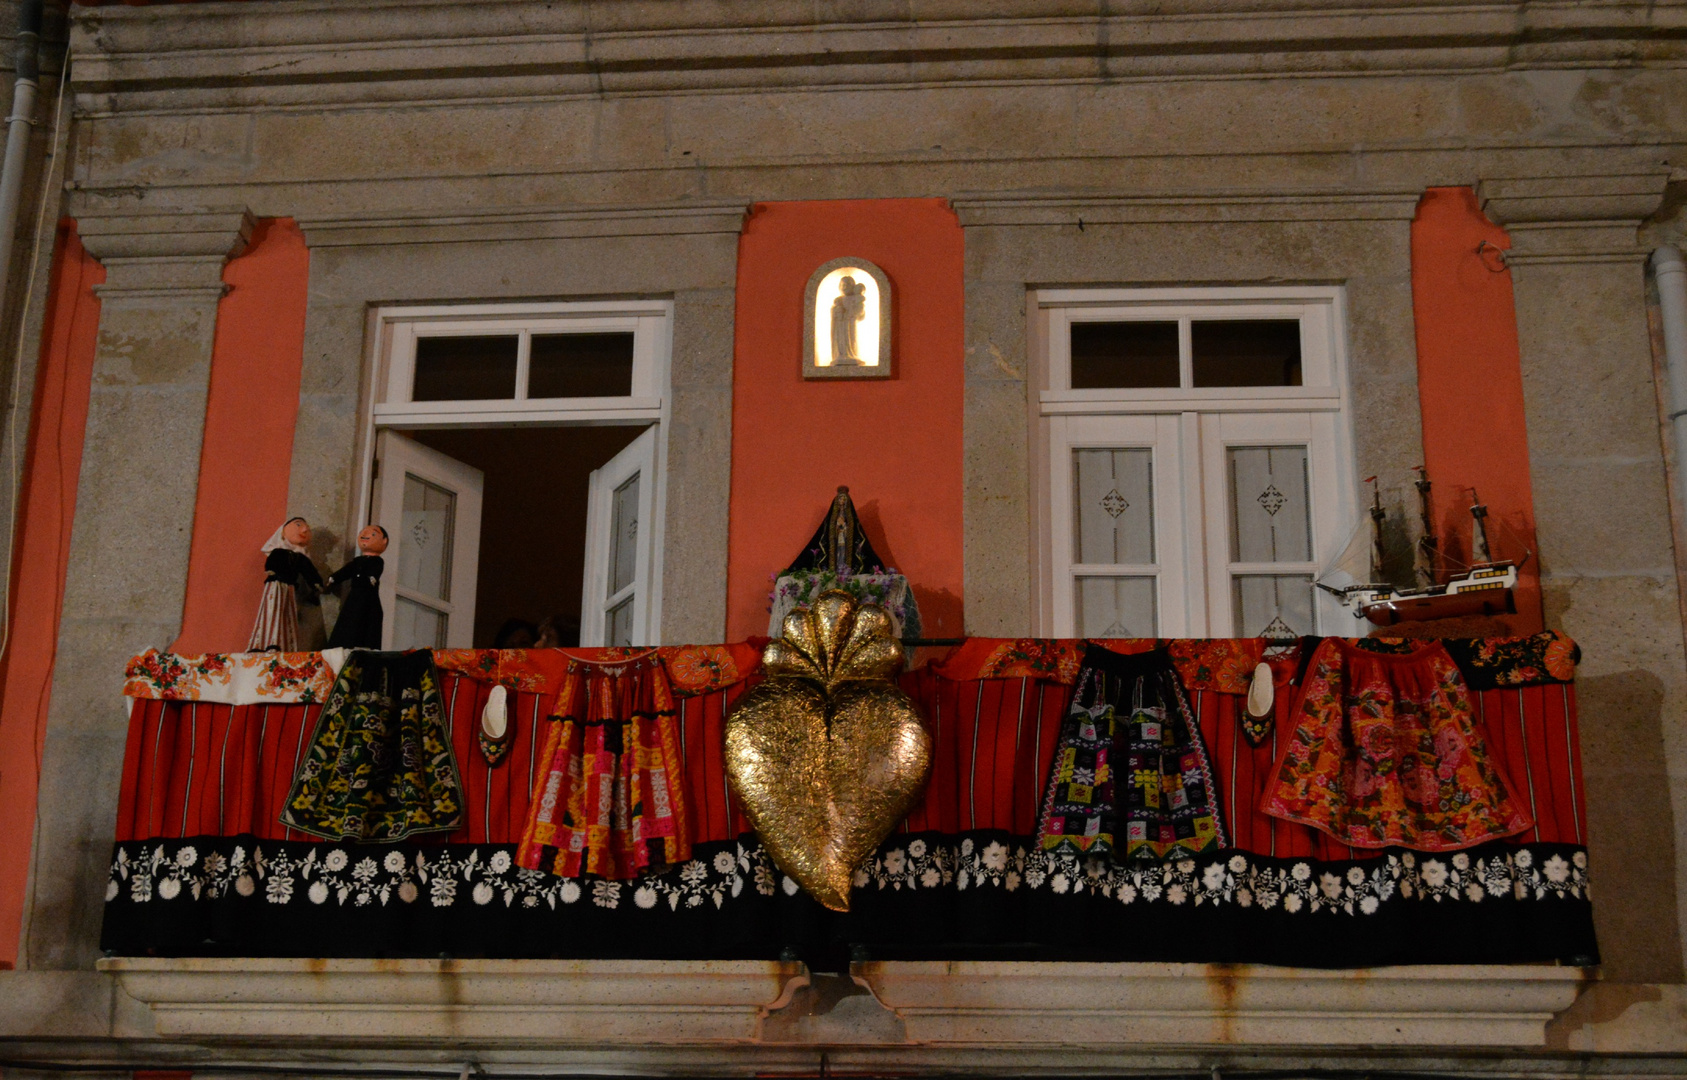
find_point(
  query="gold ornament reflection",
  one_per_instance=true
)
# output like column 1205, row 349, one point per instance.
column 827, row 754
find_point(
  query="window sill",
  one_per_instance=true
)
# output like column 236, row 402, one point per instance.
column 610, row 1003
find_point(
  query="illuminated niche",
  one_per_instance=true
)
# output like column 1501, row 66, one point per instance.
column 846, row 322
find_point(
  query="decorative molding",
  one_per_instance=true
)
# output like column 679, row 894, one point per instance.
column 165, row 256
column 1573, row 219
column 497, row 224
column 621, row 1006
column 1199, row 1004
column 212, row 233
column 1073, row 209
column 565, row 1001
column 165, row 59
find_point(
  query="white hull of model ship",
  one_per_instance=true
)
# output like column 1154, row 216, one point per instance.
column 1482, row 590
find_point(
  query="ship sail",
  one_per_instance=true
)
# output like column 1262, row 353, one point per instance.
column 1350, row 568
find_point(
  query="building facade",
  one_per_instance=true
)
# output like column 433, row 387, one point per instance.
column 278, row 220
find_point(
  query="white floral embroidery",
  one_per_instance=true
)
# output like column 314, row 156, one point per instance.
column 325, row 875
column 1238, row 878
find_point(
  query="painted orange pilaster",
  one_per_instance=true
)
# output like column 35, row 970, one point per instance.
column 1470, row 385
column 41, row 557
column 895, row 442
column 252, row 406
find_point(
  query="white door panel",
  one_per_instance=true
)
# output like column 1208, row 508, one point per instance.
column 1118, row 524
column 1271, row 521
column 615, row 606
column 430, row 506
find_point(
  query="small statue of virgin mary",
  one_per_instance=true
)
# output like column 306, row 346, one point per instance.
column 849, row 308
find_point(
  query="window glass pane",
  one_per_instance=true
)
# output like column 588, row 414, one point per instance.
column 623, row 536
column 1246, row 352
column 424, row 546
column 1117, row 607
column 1273, row 606
column 1124, row 355
column 1271, row 519
column 415, row 626
column 465, row 368
column 1115, row 506
column 580, row 365
column 618, row 625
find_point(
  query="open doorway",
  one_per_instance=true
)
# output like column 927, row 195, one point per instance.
column 515, row 461
column 535, row 559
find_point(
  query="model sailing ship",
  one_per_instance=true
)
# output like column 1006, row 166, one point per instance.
column 1482, row 588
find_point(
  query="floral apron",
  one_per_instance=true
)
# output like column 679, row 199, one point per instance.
column 379, row 766
column 1384, row 751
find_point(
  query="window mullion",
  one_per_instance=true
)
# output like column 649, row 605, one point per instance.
column 1185, row 353
column 523, row 360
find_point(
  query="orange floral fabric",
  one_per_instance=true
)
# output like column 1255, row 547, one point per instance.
column 1055, row 660
column 704, row 669
column 535, row 671
column 1222, row 665
column 1384, row 751
column 692, row 669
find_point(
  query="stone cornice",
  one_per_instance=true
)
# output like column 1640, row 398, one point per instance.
column 1231, row 208
column 211, row 56
column 520, row 223
column 220, row 233
column 1574, row 218
column 164, row 256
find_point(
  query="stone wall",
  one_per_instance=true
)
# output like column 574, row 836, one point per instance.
column 522, row 150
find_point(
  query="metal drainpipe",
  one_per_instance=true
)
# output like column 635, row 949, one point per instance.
column 18, row 128
column 1670, row 271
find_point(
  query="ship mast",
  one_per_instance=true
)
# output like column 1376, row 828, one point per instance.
column 1479, row 553
column 1428, row 545
column 1377, row 515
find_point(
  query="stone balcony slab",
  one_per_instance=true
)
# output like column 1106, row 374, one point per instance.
column 607, row 1004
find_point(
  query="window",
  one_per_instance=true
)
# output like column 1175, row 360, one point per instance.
column 513, row 459
column 1195, row 471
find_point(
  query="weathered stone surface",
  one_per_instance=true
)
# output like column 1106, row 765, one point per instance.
column 128, row 550
column 522, row 149
column 1607, row 560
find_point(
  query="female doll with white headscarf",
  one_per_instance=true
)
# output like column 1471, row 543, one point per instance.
column 291, row 582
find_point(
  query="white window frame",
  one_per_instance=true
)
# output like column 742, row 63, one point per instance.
column 465, row 485
column 1191, row 429
column 390, row 373
column 596, row 601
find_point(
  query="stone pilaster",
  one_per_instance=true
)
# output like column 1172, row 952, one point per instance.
column 129, row 543
column 1607, row 554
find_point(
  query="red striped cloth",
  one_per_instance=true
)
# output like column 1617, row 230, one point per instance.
column 198, row 769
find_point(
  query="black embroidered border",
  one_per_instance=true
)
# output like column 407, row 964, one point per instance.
column 924, row 896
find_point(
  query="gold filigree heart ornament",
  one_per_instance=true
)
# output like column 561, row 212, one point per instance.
column 827, row 754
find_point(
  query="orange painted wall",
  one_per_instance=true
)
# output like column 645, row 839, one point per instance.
column 1470, row 385
column 895, row 442
column 244, row 468
column 47, row 503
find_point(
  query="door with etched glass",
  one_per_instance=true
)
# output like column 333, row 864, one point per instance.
column 1119, row 530
column 1268, row 532
column 429, row 504
column 620, row 526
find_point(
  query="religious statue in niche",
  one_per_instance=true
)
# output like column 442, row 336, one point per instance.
column 849, row 308
column 841, row 557
column 359, row 624
column 290, row 613
column 846, row 322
